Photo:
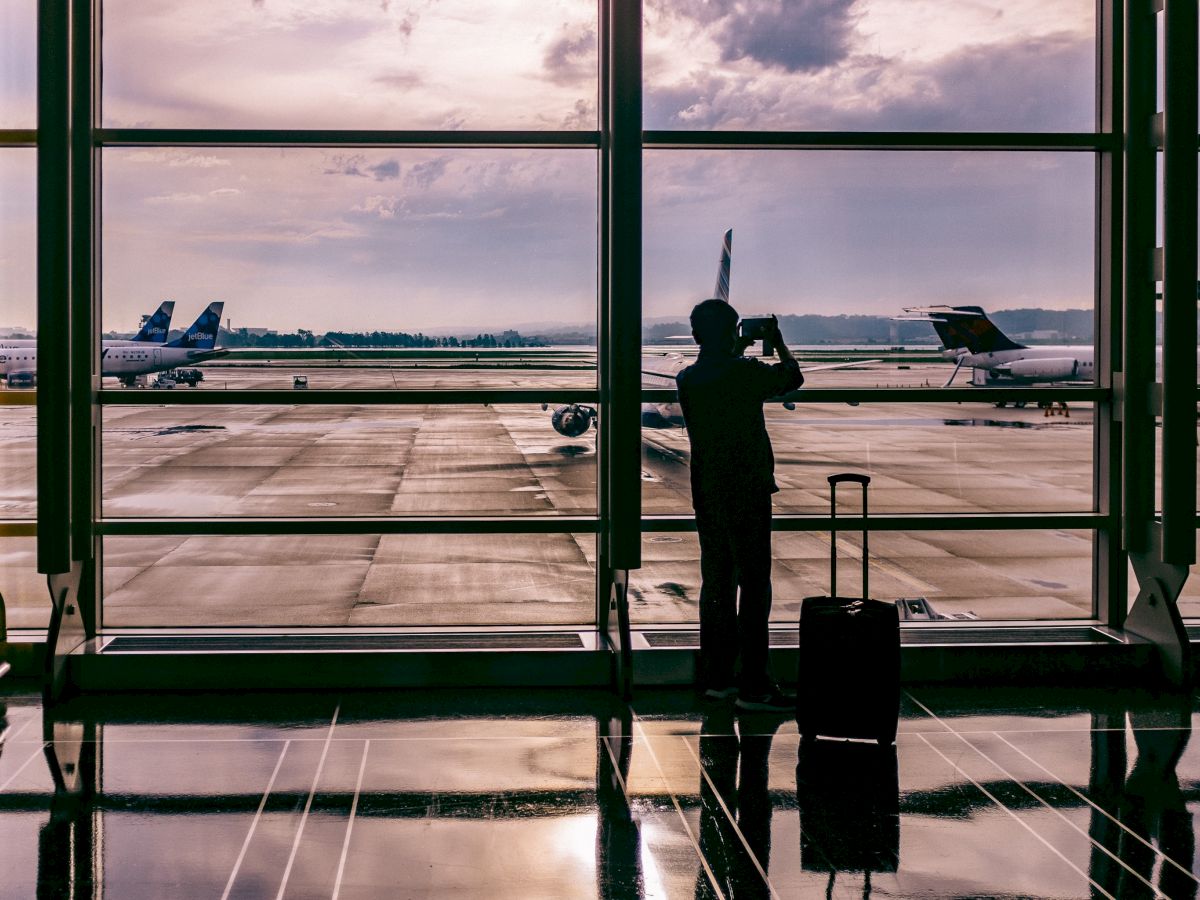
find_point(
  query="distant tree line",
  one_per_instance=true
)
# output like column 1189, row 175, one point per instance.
column 1073, row 325
column 239, row 338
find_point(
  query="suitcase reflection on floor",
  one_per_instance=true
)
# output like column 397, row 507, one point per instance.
column 848, row 794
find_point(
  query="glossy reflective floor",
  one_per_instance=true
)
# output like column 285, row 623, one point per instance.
column 988, row 793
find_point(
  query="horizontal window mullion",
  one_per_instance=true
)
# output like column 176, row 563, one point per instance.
column 268, row 137
column 917, row 395
column 18, row 528
column 18, row 398
column 933, row 522
column 878, row 140
column 18, row 137
column 232, row 526
column 381, row 397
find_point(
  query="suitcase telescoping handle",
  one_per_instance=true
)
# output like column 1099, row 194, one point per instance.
column 834, row 481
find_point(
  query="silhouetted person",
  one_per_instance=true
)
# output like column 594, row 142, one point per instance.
column 733, row 478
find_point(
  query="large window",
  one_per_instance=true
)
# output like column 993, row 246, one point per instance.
column 393, row 227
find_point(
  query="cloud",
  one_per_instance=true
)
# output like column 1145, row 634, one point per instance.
column 225, row 192
column 402, row 81
column 422, row 175
column 571, row 57
column 795, row 35
column 178, row 159
column 1042, row 83
column 175, row 197
column 378, row 205
column 388, row 170
column 792, row 35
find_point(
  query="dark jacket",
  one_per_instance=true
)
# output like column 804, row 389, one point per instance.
column 722, row 399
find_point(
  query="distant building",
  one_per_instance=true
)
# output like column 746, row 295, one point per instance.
column 257, row 332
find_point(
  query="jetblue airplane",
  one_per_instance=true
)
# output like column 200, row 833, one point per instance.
column 127, row 360
column 153, row 331
column 659, row 371
column 970, row 338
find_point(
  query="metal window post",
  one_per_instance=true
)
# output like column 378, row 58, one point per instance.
column 53, row 288
column 1161, row 553
column 621, row 353
column 84, row 359
column 1179, row 283
column 1109, row 566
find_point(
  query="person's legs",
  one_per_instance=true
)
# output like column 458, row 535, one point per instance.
column 718, row 599
column 751, row 538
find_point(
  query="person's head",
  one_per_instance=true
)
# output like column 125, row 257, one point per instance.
column 714, row 323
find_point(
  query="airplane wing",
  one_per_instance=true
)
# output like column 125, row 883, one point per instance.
column 842, row 365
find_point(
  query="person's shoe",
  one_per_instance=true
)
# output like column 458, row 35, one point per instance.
column 770, row 700
column 721, row 693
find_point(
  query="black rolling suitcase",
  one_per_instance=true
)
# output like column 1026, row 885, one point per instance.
column 849, row 679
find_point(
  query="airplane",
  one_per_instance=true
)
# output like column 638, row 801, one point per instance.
column 129, row 360
column 659, row 371
column 970, row 338
column 153, row 331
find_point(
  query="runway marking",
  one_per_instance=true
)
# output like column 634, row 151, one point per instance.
column 890, row 568
column 254, row 824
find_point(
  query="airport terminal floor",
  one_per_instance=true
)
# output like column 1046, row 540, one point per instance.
column 988, row 792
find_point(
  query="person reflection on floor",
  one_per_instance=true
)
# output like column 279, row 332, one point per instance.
column 1154, row 807
column 735, row 840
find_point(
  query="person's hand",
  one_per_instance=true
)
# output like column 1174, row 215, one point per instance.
column 740, row 343
column 774, row 335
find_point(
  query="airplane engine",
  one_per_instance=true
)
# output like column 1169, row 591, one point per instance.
column 572, row 420
column 1045, row 369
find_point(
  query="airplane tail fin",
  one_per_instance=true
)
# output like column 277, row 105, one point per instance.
column 155, row 329
column 203, row 333
column 721, row 291
column 963, row 328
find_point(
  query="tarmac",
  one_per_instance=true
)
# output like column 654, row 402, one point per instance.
column 507, row 460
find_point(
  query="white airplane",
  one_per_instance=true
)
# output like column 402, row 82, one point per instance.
column 971, row 339
column 127, row 360
column 659, row 371
column 153, row 331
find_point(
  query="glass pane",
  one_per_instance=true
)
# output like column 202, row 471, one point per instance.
column 922, row 457
column 341, row 64
column 18, row 65
column 890, row 65
column 962, row 574
column 345, row 461
column 18, row 315
column 349, row 258
column 838, row 243
column 438, row 580
column 18, row 462
column 18, row 242
column 26, row 597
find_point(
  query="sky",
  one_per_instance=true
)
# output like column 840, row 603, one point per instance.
column 469, row 240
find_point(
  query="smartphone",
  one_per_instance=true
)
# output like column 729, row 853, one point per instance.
column 760, row 328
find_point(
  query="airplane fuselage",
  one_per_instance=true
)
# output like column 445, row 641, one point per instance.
column 119, row 361
column 1029, row 365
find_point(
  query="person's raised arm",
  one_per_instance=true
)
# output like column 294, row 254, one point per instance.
column 776, row 338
